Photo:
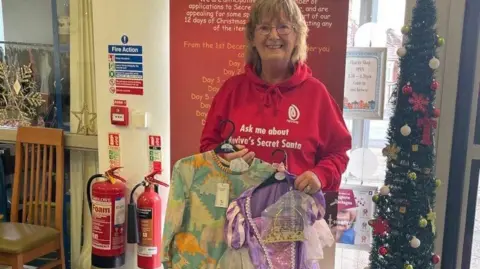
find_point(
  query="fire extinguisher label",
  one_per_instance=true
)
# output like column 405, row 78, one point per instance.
column 120, row 211
column 101, row 223
column 146, row 251
column 145, row 217
column 118, row 222
column 108, row 221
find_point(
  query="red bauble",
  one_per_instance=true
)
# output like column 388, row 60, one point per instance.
column 383, row 251
column 435, row 259
column 434, row 86
column 407, row 89
column 436, row 113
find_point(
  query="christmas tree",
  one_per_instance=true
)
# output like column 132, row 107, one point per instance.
column 404, row 224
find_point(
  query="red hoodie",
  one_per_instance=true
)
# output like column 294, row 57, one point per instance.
column 297, row 115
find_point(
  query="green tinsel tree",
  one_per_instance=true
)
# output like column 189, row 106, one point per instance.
column 404, row 224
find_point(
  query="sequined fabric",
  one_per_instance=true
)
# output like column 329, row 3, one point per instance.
column 280, row 253
column 246, row 224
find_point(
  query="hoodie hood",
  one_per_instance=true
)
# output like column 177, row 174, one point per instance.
column 273, row 93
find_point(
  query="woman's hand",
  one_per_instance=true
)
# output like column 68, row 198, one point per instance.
column 243, row 153
column 308, row 182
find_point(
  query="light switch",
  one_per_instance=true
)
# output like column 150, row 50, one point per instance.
column 140, row 119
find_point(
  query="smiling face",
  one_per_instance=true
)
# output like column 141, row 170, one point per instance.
column 275, row 39
column 276, row 31
column 345, row 219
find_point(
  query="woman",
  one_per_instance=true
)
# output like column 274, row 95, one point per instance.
column 277, row 103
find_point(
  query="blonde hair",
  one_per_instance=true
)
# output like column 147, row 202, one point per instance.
column 292, row 12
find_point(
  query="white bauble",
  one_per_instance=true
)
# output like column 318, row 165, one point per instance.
column 402, row 52
column 434, row 63
column 405, row 130
column 415, row 242
column 384, row 190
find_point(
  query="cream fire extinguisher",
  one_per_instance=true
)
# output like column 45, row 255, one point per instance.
column 144, row 223
column 106, row 199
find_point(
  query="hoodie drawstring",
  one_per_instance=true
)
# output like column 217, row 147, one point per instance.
column 273, row 96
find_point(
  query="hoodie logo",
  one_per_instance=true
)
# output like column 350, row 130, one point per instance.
column 293, row 114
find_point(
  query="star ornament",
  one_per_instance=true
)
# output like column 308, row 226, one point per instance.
column 419, row 102
column 92, row 124
column 82, row 115
column 380, row 226
column 391, row 152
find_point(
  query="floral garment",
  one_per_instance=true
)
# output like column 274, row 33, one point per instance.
column 193, row 236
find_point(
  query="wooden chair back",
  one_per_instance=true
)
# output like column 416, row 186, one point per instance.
column 39, row 177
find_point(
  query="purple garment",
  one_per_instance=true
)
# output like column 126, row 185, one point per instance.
column 245, row 224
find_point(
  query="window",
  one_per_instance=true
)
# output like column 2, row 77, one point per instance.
column 1, row 22
column 389, row 73
column 29, row 37
column 388, row 17
column 36, row 33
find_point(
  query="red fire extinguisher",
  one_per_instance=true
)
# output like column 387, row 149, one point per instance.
column 106, row 199
column 144, row 223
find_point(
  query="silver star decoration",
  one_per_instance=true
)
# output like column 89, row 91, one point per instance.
column 82, row 116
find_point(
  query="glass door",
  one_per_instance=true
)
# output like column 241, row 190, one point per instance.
column 465, row 157
column 471, row 244
column 372, row 23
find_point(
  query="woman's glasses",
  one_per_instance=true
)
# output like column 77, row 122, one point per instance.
column 282, row 29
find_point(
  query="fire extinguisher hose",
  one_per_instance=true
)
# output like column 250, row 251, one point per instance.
column 110, row 173
column 141, row 184
column 132, row 222
column 89, row 189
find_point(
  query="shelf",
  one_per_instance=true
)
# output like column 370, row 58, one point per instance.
column 72, row 141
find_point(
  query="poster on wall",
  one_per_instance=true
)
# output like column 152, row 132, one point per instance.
column 125, row 68
column 207, row 47
column 331, row 208
column 155, row 153
column 354, row 209
column 364, row 83
column 114, row 150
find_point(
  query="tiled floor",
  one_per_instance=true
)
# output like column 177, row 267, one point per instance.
column 350, row 259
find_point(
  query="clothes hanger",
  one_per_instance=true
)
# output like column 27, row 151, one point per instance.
column 226, row 146
column 274, row 178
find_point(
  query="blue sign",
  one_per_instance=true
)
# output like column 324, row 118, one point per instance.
column 128, row 59
column 124, row 39
column 125, row 68
column 129, row 74
column 124, row 49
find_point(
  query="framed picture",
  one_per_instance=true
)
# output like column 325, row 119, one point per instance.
column 364, row 83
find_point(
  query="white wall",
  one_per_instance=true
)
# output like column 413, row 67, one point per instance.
column 27, row 21
column 147, row 25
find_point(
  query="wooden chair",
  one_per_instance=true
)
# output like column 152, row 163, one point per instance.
column 38, row 231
